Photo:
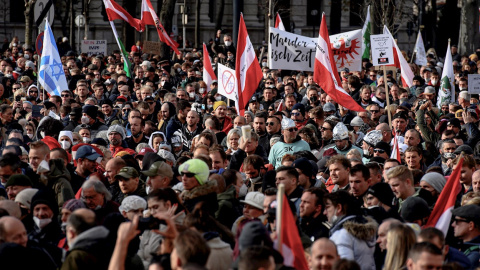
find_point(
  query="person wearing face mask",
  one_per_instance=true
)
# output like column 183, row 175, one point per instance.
column 46, row 232
column 434, row 80
column 89, row 117
column 220, row 50
column 56, row 177
column 342, row 140
column 65, row 138
column 67, row 209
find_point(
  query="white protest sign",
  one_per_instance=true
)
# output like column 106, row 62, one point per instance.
column 474, row 83
column 382, row 50
column 295, row 52
column 92, row 47
column 228, row 84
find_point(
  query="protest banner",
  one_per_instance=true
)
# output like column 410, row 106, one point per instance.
column 474, row 83
column 228, row 84
column 295, row 52
column 151, row 47
column 92, row 47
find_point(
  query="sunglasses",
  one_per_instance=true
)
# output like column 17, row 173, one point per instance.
column 188, row 174
column 381, row 151
column 374, row 111
column 295, row 114
column 457, row 220
column 324, row 128
column 16, row 88
column 292, row 129
column 270, row 123
column 65, row 95
column 271, row 110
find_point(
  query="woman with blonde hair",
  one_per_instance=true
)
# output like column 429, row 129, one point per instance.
column 400, row 239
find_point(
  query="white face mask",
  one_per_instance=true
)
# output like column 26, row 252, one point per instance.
column 218, row 98
column 243, row 191
column 228, row 43
column 30, row 135
column 434, row 82
column 366, row 152
column 148, row 189
column 85, row 120
column 42, row 133
column 162, row 83
column 191, row 95
column 65, row 144
column 64, row 227
column 201, row 90
column 264, row 64
column 43, row 167
column 210, row 106
column 86, row 139
column 179, row 69
column 305, row 84
column 41, row 223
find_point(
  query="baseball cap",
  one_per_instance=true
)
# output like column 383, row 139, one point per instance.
column 127, row 173
column 144, row 151
column 86, row 151
column 254, row 199
column 159, row 168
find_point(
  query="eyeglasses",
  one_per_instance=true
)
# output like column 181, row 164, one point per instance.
column 268, row 82
column 324, row 128
column 188, row 174
column 292, row 129
column 66, row 95
column 381, row 151
column 374, row 111
column 17, row 88
column 270, row 123
column 457, row 220
column 151, row 102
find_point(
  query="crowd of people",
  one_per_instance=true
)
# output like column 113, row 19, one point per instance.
column 159, row 171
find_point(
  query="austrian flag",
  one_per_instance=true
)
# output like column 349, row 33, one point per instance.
column 115, row 11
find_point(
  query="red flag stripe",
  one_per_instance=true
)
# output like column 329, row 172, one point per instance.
column 116, row 12
column 208, row 73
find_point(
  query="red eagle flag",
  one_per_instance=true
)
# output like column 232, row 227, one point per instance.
column 149, row 17
column 292, row 248
column 208, row 73
column 325, row 71
column 115, row 11
column 279, row 23
column 246, row 66
column 442, row 212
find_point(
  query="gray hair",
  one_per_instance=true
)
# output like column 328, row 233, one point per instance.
column 98, row 186
column 231, row 132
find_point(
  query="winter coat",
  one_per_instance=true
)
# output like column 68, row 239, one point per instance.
column 205, row 193
column 220, row 257
column 355, row 240
column 239, row 156
column 229, row 208
column 59, row 182
column 281, row 148
column 88, row 251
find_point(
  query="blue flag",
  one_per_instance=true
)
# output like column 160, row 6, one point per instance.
column 51, row 75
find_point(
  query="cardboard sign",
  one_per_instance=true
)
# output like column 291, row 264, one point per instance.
column 151, row 47
column 92, row 47
column 382, row 50
column 474, row 83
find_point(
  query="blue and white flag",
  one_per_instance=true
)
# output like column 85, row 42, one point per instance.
column 51, row 75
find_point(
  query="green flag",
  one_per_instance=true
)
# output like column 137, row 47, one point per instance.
column 366, row 31
column 126, row 62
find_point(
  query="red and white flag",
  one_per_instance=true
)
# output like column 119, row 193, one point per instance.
column 149, row 17
column 247, row 68
column 442, row 212
column 115, row 11
column 400, row 62
column 279, row 23
column 280, row 106
column 208, row 73
column 292, row 248
column 325, row 71
column 395, row 150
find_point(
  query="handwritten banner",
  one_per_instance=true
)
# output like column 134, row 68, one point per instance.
column 92, row 47
column 294, row 52
column 151, row 47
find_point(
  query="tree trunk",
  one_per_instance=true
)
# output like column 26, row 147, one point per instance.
column 197, row 23
column 28, row 22
column 166, row 17
column 221, row 9
column 468, row 27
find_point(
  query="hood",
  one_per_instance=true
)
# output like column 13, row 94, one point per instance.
column 90, row 238
column 363, row 228
column 150, row 141
column 58, row 170
column 40, row 125
column 228, row 194
column 205, row 189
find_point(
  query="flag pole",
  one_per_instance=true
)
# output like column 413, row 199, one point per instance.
column 388, row 96
column 279, row 219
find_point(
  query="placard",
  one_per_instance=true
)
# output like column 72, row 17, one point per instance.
column 382, row 50
column 474, row 83
column 151, row 47
column 92, row 47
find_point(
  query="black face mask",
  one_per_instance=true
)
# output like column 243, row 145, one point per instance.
column 313, row 99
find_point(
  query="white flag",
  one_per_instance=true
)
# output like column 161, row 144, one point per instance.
column 228, row 84
column 420, row 54
column 446, row 93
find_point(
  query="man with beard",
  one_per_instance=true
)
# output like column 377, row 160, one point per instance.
column 116, row 135
column 176, row 122
column 167, row 112
column 86, row 159
column 259, row 126
column 342, row 140
column 399, row 123
column 137, row 125
column 365, row 97
column 446, row 147
column 190, row 129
